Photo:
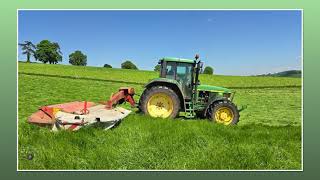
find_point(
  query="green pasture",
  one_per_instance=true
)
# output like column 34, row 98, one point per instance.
column 268, row 135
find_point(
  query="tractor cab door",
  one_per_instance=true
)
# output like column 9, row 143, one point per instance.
column 184, row 77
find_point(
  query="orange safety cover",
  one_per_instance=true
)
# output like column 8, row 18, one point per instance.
column 72, row 106
column 45, row 114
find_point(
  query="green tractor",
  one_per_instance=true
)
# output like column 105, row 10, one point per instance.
column 178, row 92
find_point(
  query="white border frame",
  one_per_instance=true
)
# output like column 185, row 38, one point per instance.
column 168, row 170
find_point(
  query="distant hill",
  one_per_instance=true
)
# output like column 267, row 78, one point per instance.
column 290, row 73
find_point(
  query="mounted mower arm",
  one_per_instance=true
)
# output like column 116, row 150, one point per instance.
column 124, row 94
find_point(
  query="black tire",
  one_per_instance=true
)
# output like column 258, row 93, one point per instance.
column 220, row 104
column 147, row 94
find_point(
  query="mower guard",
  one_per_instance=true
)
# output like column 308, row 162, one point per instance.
column 74, row 115
column 97, row 115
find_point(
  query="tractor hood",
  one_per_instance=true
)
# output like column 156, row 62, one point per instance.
column 213, row 89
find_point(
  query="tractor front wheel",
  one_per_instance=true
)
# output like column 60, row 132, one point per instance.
column 224, row 112
column 160, row 101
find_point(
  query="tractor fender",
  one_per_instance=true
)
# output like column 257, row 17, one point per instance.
column 172, row 84
column 206, row 112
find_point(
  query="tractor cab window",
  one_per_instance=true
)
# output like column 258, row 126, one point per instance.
column 170, row 72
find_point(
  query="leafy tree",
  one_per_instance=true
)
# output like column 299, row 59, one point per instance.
column 48, row 52
column 157, row 67
column 28, row 48
column 107, row 66
column 128, row 65
column 77, row 58
column 208, row 70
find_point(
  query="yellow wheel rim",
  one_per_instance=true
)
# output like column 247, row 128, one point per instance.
column 160, row 105
column 224, row 115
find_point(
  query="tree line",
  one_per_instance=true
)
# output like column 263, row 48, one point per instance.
column 49, row 52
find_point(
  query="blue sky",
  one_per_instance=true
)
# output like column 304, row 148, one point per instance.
column 233, row 42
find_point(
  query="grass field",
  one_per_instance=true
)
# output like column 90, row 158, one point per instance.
column 268, row 135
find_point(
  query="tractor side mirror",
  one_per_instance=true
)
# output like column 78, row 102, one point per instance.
column 197, row 56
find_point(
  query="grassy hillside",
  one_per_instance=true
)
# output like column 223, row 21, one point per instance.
column 141, row 77
column 290, row 73
column 268, row 135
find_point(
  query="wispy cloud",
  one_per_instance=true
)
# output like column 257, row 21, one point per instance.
column 210, row 19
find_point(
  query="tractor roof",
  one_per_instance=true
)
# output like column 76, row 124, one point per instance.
column 178, row 60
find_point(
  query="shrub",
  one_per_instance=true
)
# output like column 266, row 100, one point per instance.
column 107, row 66
column 157, row 67
column 208, row 70
column 128, row 65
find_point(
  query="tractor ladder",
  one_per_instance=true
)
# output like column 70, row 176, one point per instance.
column 189, row 109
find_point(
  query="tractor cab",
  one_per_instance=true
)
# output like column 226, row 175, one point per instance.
column 183, row 71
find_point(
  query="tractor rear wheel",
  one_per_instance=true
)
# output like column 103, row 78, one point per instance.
column 160, row 101
column 225, row 112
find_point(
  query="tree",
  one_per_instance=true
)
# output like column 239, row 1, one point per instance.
column 208, row 70
column 128, row 65
column 48, row 52
column 107, row 66
column 28, row 48
column 77, row 58
column 157, row 67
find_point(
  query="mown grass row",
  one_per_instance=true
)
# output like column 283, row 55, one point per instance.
column 142, row 77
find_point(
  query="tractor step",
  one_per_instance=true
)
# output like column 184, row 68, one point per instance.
column 189, row 111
